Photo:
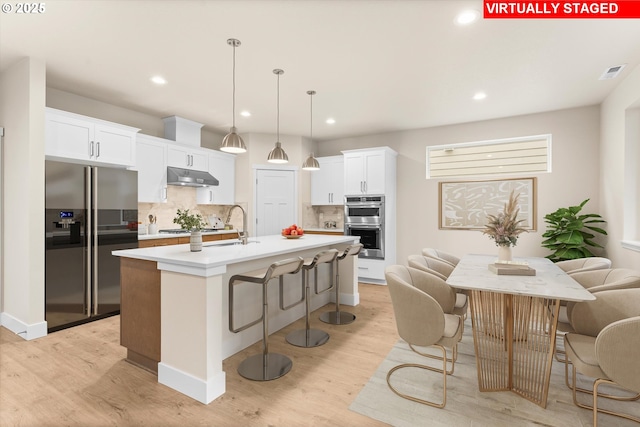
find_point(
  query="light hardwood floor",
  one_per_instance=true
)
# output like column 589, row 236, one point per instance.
column 78, row 377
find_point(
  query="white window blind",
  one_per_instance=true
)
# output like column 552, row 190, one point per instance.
column 497, row 157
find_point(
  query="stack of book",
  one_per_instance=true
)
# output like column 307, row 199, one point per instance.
column 512, row 268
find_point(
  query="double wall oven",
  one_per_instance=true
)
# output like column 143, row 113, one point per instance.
column 364, row 217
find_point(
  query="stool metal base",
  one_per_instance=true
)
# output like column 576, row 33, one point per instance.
column 307, row 338
column 265, row 367
column 337, row 317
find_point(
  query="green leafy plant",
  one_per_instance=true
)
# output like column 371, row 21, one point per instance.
column 189, row 221
column 569, row 235
column 505, row 228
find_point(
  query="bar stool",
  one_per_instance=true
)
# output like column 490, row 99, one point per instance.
column 308, row 337
column 265, row 366
column 338, row 317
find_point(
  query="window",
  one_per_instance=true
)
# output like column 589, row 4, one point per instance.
column 496, row 157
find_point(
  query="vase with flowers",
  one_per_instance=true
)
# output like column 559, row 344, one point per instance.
column 505, row 227
column 194, row 223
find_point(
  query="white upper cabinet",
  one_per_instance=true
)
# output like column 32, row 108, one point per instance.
column 327, row 184
column 187, row 157
column 223, row 167
column 369, row 171
column 82, row 139
column 152, row 169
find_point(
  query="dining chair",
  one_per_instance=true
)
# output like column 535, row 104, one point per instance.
column 584, row 264
column 605, row 346
column 441, row 270
column 423, row 316
column 441, row 255
column 597, row 281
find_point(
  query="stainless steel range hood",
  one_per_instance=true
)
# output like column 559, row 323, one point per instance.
column 190, row 178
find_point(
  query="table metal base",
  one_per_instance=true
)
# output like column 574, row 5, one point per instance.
column 265, row 367
column 514, row 338
column 307, row 338
column 337, row 317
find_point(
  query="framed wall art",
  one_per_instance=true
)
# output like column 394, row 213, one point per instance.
column 464, row 205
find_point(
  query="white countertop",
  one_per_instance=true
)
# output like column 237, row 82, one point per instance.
column 332, row 230
column 185, row 234
column 550, row 281
column 224, row 252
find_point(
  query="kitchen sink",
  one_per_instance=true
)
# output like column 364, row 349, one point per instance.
column 228, row 243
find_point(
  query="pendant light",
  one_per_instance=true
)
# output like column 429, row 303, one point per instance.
column 277, row 155
column 311, row 164
column 233, row 143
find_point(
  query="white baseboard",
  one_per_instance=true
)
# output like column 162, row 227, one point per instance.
column 196, row 388
column 347, row 299
column 18, row 327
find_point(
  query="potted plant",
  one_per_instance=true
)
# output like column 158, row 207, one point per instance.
column 569, row 235
column 505, row 227
column 194, row 223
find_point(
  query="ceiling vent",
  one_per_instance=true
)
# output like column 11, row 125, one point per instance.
column 612, row 72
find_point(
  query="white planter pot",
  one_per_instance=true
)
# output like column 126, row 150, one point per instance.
column 196, row 241
column 504, row 253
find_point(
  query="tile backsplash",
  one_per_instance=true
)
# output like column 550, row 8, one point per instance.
column 184, row 198
column 315, row 216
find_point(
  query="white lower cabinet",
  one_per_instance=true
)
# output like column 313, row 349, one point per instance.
column 223, row 167
column 152, row 169
column 73, row 137
column 371, row 270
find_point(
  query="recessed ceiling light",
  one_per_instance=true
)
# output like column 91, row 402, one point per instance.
column 159, row 80
column 466, row 17
column 330, row 121
column 245, row 113
column 480, row 95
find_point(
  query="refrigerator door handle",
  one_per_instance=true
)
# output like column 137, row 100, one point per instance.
column 94, row 232
column 87, row 233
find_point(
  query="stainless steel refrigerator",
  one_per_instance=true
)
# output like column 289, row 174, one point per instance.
column 90, row 211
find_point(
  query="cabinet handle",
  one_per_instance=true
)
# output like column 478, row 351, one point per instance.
column 163, row 193
column 210, row 196
column 191, row 161
column 97, row 149
column 90, row 148
column 365, row 187
column 329, row 197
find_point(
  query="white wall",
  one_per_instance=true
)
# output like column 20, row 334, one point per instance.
column 575, row 176
column 613, row 153
column 22, row 114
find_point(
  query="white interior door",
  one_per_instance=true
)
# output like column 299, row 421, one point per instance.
column 275, row 200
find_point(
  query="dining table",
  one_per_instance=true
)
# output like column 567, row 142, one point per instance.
column 514, row 320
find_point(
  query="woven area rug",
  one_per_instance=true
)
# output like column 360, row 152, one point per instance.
column 466, row 405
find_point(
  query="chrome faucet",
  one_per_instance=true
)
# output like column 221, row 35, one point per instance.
column 245, row 234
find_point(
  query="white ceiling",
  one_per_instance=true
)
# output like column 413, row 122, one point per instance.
column 377, row 66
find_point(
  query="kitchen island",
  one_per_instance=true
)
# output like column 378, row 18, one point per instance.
column 193, row 333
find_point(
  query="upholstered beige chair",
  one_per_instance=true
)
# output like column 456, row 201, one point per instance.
column 584, row 264
column 440, row 270
column 441, row 255
column 597, row 281
column 606, row 345
column 422, row 310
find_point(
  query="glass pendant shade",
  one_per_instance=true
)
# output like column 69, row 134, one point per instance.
column 311, row 164
column 277, row 155
column 232, row 142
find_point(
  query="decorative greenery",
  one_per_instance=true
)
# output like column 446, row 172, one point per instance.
column 505, row 228
column 189, row 221
column 568, row 234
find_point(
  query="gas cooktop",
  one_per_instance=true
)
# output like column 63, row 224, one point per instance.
column 181, row 231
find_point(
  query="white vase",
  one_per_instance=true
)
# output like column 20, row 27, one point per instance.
column 504, row 253
column 196, row 240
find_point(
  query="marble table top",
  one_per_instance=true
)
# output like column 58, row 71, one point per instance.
column 550, row 281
